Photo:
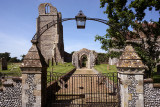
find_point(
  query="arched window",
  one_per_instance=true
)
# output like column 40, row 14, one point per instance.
column 47, row 9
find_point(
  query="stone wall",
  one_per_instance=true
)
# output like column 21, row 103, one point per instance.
column 131, row 90
column 31, row 89
column 11, row 93
column 114, row 61
column 151, row 93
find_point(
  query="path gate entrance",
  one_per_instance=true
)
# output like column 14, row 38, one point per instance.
column 83, row 90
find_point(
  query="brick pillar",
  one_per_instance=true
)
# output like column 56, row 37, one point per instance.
column 33, row 78
column 130, row 71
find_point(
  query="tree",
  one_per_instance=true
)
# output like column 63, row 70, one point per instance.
column 122, row 15
column 6, row 55
column 14, row 60
column 22, row 57
column 72, row 52
column 102, row 58
column 149, row 47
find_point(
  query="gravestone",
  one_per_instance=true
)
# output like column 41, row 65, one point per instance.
column 4, row 64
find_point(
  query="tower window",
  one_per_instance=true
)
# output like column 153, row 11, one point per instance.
column 47, row 9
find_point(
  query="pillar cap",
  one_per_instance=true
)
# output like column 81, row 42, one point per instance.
column 130, row 59
column 33, row 61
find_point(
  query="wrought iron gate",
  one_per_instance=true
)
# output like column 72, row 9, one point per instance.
column 83, row 90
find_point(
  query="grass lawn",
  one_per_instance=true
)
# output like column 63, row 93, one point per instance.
column 60, row 69
column 109, row 69
column 105, row 68
column 102, row 68
column 13, row 70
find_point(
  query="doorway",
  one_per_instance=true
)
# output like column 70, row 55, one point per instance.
column 84, row 61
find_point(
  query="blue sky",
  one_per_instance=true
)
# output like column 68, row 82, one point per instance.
column 18, row 24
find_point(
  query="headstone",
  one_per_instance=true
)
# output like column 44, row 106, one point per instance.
column 4, row 64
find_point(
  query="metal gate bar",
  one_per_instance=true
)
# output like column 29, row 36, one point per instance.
column 97, row 90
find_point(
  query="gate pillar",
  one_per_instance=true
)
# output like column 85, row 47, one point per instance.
column 33, row 78
column 130, row 71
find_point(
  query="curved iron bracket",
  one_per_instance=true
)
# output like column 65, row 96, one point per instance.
column 53, row 23
column 47, row 26
column 98, row 20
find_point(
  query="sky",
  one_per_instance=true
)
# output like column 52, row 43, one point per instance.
column 18, row 24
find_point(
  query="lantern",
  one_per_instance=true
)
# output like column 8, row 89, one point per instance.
column 81, row 20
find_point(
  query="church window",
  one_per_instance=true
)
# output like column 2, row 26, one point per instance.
column 47, row 9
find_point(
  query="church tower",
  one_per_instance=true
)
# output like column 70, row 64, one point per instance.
column 50, row 42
